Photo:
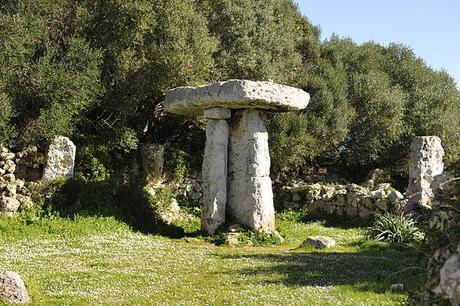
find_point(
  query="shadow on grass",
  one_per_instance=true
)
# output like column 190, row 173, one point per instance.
column 128, row 204
column 372, row 270
column 337, row 221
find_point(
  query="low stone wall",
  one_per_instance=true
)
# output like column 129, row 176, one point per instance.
column 343, row 200
column 13, row 193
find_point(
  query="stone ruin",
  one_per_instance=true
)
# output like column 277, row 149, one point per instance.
column 31, row 165
column 425, row 169
column 236, row 166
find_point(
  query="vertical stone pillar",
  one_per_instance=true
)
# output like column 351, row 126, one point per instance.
column 424, row 165
column 250, row 196
column 215, row 169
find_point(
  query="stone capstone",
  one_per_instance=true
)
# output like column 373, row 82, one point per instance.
column 13, row 289
column 319, row 242
column 250, row 196
column 425, row 163
column 214, row 174
column 235, row 94
column 60, row 159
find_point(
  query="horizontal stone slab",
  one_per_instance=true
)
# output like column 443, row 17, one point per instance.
column 235, row 94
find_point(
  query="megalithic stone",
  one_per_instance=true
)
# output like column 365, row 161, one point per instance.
column 425, row 163
column 250, row 196
column 246, row 194
column 214, row 170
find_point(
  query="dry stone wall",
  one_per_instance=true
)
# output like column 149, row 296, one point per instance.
column 343, row 200
column 13, row 193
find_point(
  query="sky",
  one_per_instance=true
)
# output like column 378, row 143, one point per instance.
column 430, row 27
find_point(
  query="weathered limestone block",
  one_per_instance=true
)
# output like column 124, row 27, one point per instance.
column 424, row 165
column 12, row 289
column 60, row 159
column 319, row 242
column 250, row 196
column 215, row 170
column 235, row 94
column 449, row 274
column 8, row 205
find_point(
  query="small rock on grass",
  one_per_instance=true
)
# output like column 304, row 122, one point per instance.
column 12, row 289
column 319, row 242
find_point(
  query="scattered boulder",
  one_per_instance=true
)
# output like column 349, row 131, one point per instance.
column 9, row 205
column 232, row 239
column 13, row 289
column 234, row 228
column 319, row 242
column 397, row 287
column 60, row 159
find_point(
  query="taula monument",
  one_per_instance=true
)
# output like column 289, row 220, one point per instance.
column 236, row 166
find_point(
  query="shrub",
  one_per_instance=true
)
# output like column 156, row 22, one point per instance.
column 392, row 228
column 49, row 72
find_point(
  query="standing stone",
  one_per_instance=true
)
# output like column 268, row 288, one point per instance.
column 60, row 159
column 152, row 160
column 215, row 169
column 12, row 289
column 250, row 196
column 424, row 165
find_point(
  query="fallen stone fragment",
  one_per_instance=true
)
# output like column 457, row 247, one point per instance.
column 397, row 287
column 235, row 228
column 395, row 197
column 319, row 242
column 12, row 289
column 9, row 205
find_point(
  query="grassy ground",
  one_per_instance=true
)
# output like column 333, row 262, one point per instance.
column 99, row 260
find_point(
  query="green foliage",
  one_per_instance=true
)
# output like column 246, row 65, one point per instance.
column 399, row 229
column 159, row 199
column 49, row 72
column 177, row 164
column 367, row 101
column 6, row 128
column 91, row 163
column 149, row 47
column 246, row 238
column 258, row 40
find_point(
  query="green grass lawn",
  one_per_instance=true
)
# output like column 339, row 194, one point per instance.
column 99, row 260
